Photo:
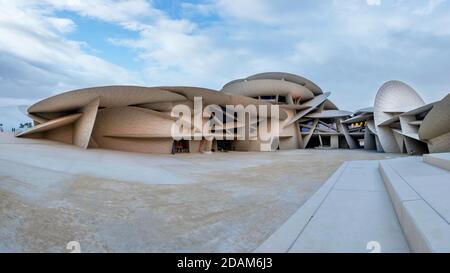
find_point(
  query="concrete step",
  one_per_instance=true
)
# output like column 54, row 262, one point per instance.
column 350, row 212
column 419, row 193
column 438, row 160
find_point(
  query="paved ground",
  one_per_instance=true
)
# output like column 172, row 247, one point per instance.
column 123, row 202
column 355, row 212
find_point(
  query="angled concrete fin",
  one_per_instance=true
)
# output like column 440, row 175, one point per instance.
column 369, row 140
column 387, row 139
column 437, row 121
column 440, row 144
column 415, row 147
column 52, row 124
column 350, row 141
column 315, row 102
column 371, row 126
column 321, row 107
column 399, row 139
column 311, row 132
column 378, row 144
column 84, row 126
column 37, row 119
column 299, row 135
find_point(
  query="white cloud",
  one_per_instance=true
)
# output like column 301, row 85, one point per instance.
column 62, row 25
column 36, row 60
column 128, row 13
column 347, row 46
column 31, row 40
column 307, row 53
column 429, row 7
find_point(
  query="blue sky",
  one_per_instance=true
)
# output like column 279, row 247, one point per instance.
column 348, row 47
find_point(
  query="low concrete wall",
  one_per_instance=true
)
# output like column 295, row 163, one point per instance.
column 425, row 230
column 438, row 160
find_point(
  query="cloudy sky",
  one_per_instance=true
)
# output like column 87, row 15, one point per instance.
column 348, row 47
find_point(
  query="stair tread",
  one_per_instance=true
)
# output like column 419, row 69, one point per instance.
column 438, row 160
column 419, row 193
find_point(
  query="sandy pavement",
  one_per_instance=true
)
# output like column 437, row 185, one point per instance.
column 112, row 201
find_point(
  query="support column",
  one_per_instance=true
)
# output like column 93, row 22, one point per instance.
column 83, row 127
column 350, row 141
column 311, row 132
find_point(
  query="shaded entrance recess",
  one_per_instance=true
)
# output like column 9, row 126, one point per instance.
column 180, row 146
column 319, row 141
column 326, row 141
column 224, row 145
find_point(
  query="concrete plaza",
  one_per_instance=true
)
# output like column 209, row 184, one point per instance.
column 111, row 201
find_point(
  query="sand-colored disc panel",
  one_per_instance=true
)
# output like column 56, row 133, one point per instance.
column 110, row 96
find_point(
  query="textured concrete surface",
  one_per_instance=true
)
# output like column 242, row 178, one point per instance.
column 357, row 210
column 124, row 202
column 284, row 237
